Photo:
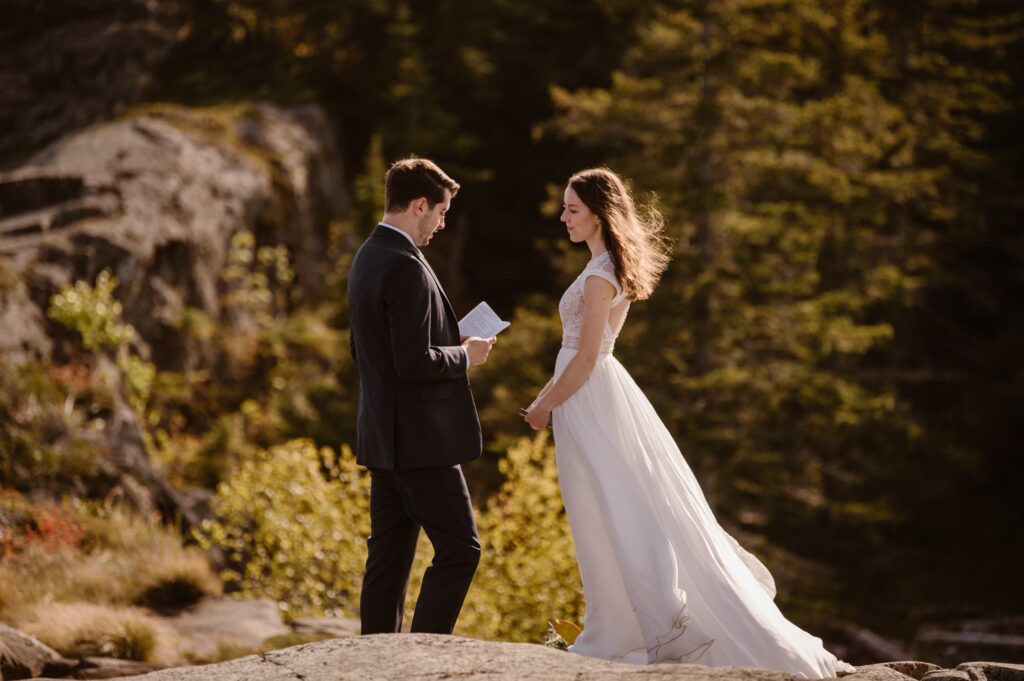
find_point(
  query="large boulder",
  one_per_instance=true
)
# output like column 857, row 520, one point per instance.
column 25, row 657
column 156, row 198
column 992, row 671
column 237, row 623
column 429, row 656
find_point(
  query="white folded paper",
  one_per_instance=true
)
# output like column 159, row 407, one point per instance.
column 482, row 322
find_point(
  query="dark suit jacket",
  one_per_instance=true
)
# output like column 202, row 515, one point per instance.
column 415, row 405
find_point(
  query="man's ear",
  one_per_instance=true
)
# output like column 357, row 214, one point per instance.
column 419, row 206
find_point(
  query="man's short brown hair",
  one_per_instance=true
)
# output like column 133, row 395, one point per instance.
column 411, row 178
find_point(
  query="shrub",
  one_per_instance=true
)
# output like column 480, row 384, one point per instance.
column 144, row 558
column 293, row 522
column 298, row 537
column 42, row 444
column 93, row 312
column 527, row 573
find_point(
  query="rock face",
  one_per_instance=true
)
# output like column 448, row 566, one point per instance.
column 978, row 671
column 237, row 623
column 110, row 668
column 335, row 627
column 156, row 198
column 915, row 670
column 429, row 656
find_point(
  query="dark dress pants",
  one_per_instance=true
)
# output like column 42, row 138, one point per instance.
column 401, row 502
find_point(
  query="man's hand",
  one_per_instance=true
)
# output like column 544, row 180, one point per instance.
column 478, row 349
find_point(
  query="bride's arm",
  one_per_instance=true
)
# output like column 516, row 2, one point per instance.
column 597, row 303
column 542, row 393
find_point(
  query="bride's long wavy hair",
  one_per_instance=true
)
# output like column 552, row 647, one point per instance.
column 635, row 238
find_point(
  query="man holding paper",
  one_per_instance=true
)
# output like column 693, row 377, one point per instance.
column 417, row 420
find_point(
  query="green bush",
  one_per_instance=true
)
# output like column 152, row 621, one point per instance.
column 42, row 444
column 527, row 573
column 293, row 523
column 93, row 312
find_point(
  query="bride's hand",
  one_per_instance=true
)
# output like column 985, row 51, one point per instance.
column 538, row 417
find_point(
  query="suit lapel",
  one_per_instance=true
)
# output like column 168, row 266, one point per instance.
column 390, row 235
column 444, row 296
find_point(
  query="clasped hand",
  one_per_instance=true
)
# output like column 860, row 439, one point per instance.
column 537, row 416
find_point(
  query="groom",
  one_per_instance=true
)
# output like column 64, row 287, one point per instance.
column 417, row 420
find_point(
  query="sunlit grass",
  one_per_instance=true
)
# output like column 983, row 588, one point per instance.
column 123, row 560
column 90, row 630
column 83, row 598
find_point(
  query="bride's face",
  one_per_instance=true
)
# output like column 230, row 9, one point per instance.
column 581, row 222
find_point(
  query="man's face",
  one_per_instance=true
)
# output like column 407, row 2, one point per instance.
column 432, row 219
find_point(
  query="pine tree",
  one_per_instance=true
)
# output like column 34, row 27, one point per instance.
column 806, row 174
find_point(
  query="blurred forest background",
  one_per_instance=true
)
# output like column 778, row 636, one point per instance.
column 835, row 345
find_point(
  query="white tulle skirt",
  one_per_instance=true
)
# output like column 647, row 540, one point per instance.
column 661, row 578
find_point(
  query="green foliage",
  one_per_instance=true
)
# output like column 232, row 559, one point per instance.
column 807, row 157
column 138, row 376
column 527, row 574
column 271, row 371
column 41, row 443
column 368, row 205
column 257, row 279
column 96, row 315
column 293, row 523
column 93, row 312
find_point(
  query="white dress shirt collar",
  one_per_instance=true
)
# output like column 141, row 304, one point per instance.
column 402, row 232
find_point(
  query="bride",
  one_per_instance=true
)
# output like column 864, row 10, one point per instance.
column 661, row 578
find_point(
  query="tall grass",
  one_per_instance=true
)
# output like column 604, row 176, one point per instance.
column 77, row 576
column 89, row 630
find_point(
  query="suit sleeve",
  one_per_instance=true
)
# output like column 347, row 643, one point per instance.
column 407, row 299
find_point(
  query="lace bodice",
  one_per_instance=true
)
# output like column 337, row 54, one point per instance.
column 570, row 307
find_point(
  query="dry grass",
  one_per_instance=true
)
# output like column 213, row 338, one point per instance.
column 33, row 576
column 133, row 560
column 177, row 579
column 82, row 600
column 124, row 560
column 87, row 629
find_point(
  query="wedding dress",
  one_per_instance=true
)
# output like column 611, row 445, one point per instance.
column 661, row 578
